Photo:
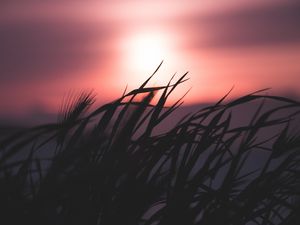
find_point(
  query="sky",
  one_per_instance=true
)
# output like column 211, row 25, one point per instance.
column 51, row 48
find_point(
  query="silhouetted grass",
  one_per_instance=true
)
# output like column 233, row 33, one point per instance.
column 109, row 166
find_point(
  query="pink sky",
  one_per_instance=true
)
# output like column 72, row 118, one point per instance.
column 49, row 48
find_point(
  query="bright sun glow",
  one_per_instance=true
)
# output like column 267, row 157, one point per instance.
column 148, row 51
column 143, row 52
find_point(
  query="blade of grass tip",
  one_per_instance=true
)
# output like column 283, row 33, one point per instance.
column 140, row 90
column 175, row 106
column 259, row 91
column 224, row 97
column 242, row 100
column 247, row 98
column 124, row 92
column 179, row 81
column 283, row 99
column 155, row 71
column 150, row 89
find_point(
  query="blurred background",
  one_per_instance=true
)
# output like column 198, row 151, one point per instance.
column 51, row 48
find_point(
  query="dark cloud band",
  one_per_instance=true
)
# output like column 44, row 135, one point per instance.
column 33, row 50
column 255, row 26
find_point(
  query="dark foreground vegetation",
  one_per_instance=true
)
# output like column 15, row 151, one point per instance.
column 110, row 166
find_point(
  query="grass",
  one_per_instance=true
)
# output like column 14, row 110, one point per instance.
column 110, row 166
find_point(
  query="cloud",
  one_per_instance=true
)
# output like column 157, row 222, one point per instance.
column 46, row 49
column 259, row 25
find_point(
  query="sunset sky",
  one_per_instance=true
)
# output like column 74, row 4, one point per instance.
column 52, row 47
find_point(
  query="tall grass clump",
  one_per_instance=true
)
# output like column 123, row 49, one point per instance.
column 111, row 166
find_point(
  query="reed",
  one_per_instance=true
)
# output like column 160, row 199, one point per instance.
column 109, row 166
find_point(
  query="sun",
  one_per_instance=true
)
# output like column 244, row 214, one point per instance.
column 148, row 51
column 143, row 52
column 139, row 53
